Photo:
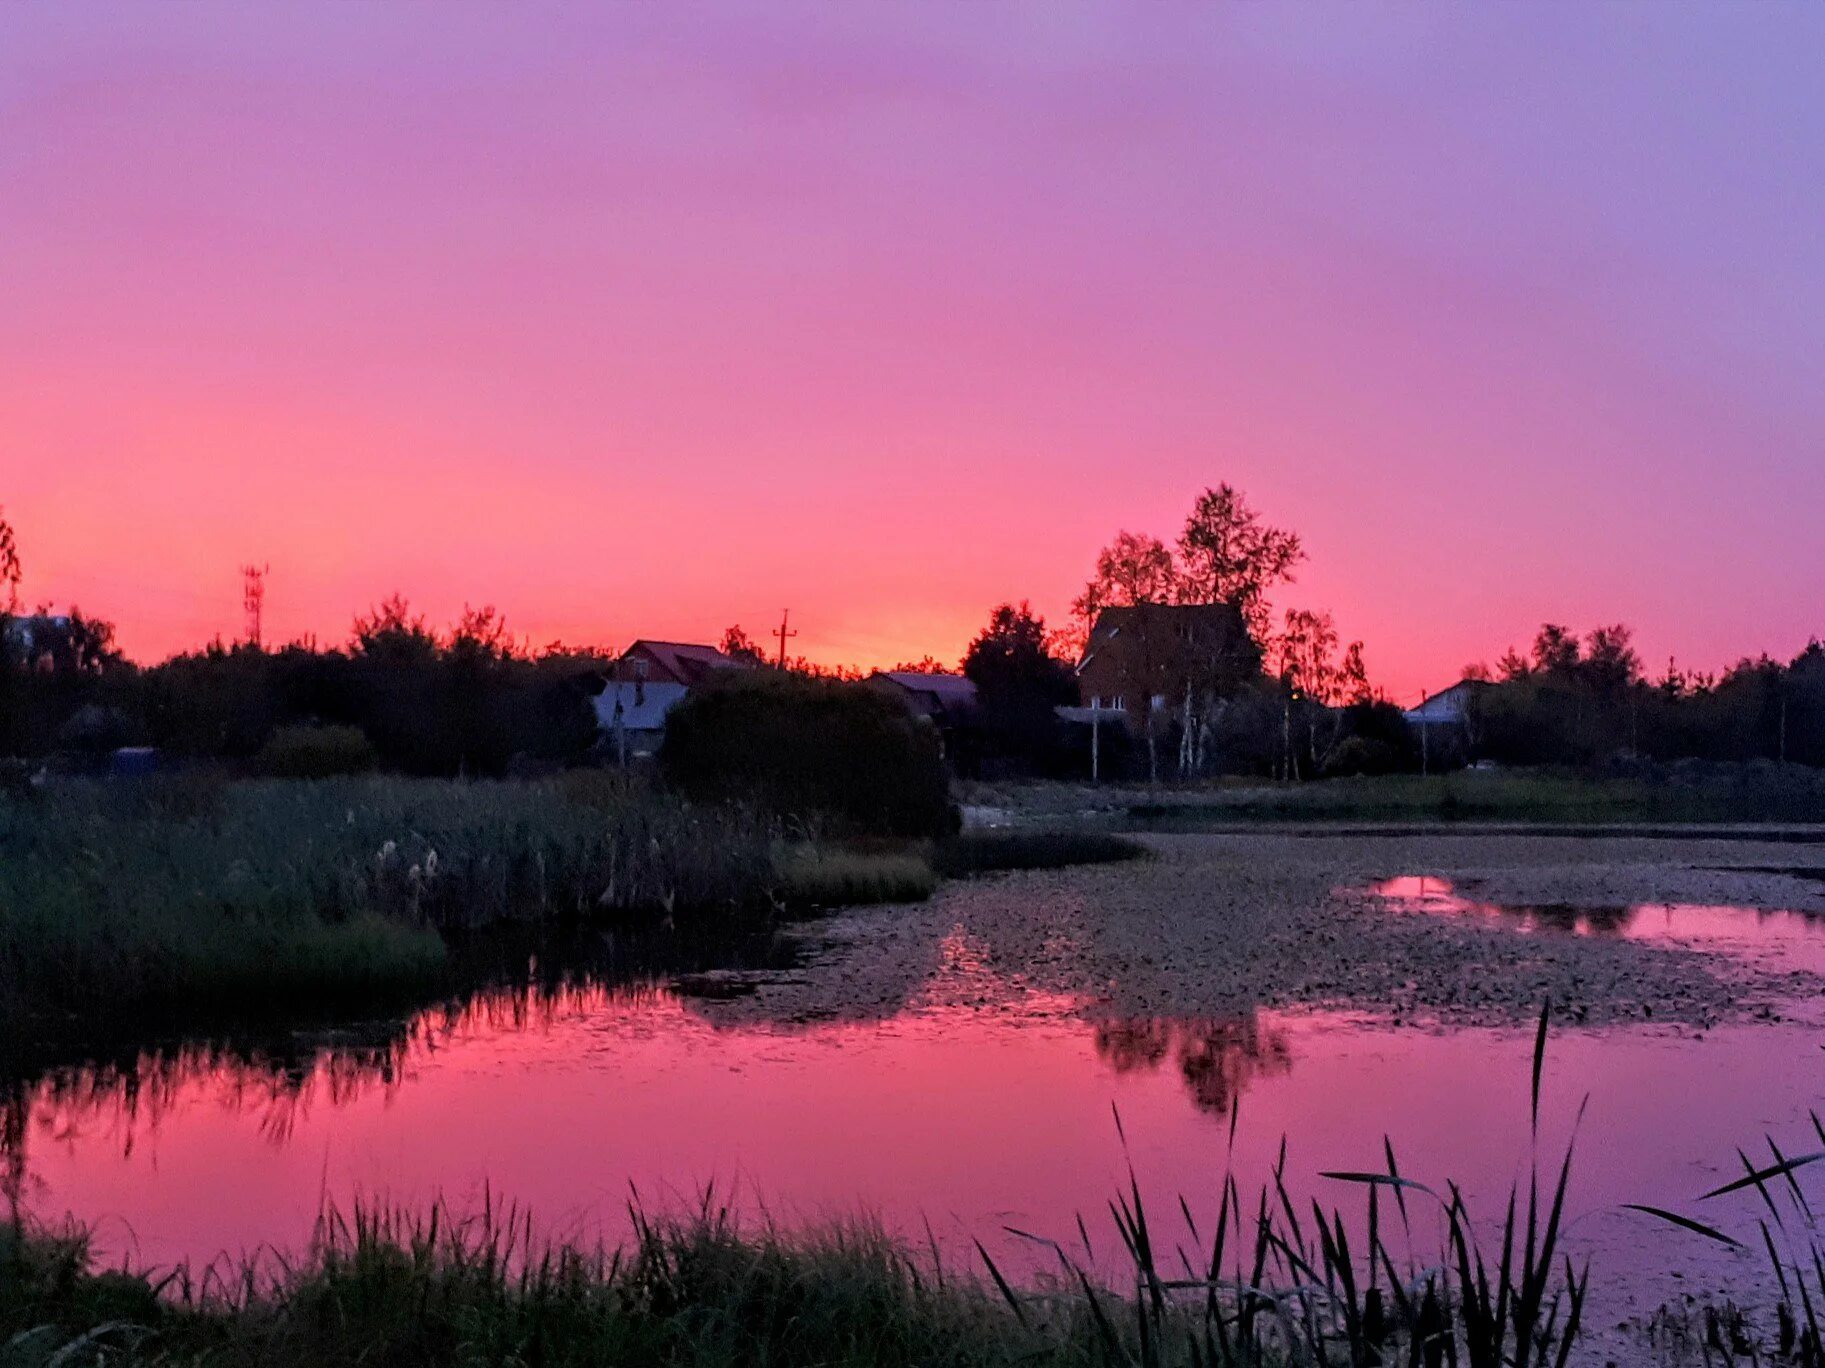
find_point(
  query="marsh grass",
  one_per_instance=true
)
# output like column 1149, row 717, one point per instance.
column 853, row 873
column 1789, row 1235
column 380, row 1287
column 817, row 877
column 207, row 896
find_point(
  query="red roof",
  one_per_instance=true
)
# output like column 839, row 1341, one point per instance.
column 682, row 662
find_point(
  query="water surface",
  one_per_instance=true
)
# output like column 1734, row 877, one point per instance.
column 977, row 1105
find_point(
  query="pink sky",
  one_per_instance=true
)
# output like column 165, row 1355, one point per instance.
column 640, row 321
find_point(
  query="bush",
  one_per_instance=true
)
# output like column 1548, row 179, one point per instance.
column 815, row 750
column 1361, row 755
column 306, row 752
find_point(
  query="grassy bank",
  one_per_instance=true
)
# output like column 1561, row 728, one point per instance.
column 260, row 896
column 887, row 872
column 1739, row 794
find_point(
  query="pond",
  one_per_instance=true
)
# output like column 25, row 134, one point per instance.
column 980, row 1107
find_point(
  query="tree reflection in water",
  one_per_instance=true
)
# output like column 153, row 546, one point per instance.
column 127, row 1099
column 1219, row 1057
column 522, row 982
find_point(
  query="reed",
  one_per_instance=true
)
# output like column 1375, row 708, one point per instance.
column 1788, row 1234
column 813, row 878
column 125, row 898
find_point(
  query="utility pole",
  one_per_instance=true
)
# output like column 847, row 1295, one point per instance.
column 784, row 617
column 253, row 600
column 1096, row 739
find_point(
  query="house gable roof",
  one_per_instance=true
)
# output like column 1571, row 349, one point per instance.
column 684, row 662
column 953, row 690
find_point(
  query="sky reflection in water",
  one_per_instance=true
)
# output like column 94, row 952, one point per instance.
column 1796, row 940
column 979, row 1104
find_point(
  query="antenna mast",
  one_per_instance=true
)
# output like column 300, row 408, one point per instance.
column 253, row 600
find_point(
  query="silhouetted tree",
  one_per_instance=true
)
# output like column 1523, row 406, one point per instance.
column 738, row 644
column 1556, row 650
column 809, row 749
column 1019, row 683
column 11, row 570
column 1610, row 665
column 1134, row 568
column 1229, row 554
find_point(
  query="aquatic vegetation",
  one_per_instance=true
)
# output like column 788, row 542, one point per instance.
column 1795, row 1250
column 384, row 1287
column 270, row 895
column 817, row 877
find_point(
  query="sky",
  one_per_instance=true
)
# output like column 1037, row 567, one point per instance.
column 646, row 320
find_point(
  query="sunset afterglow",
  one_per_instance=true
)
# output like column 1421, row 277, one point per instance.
column 639, row 321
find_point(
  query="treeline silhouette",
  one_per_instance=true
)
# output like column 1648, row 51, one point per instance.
column 1585, row 701
column 398, row 695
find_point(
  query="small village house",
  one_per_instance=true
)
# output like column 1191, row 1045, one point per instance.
column 1163, row 667
column 648, row 680
column 1150, row 655
column 1453, row 707
column 945, row 699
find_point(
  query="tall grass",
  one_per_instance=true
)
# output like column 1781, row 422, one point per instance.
column 382, row 1287
column 1790, row 1237
column 120, row 898
column 813, row 877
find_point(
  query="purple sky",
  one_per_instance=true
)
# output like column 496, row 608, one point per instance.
column 642, row 320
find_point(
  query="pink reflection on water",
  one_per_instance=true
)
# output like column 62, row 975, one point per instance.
column 1788, row 939
column 979, row 1105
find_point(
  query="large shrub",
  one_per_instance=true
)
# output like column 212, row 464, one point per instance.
column 812, row 749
